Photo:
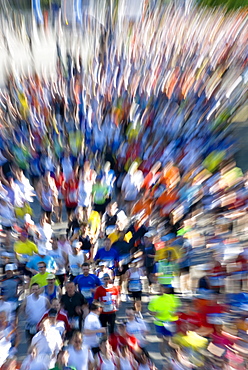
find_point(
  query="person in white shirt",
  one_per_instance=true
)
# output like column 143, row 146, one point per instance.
column 48, row 342
column 80, row 356
column 64, row 245
column 136, row 327
column 44, row 233
column 7, row 214
column 6, row 336
column 92, row 328
column 61, row 260
column 33, row 361
column 131, row 185
column 34, row 306
column 5, row 306
column 76, row 259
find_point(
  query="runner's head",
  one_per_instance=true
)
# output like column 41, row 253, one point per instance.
column 55, row 304
column 106, row 279
column 130, row 313
column 84, row 227
column 50, row 279
column 54, row 243
column 76, row 247
column 9, row 269
column 104, row 345
column 112, row 208
column 86, row 268
column 62, row 358
column 167, row 289
column 77, row 340
column 42, row 267
column 95, row 307
column 121, row 328
column 70, row 288
column 52, row 315
column 107, row 244
column 35, row 289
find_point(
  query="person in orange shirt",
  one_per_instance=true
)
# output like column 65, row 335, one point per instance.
column 143, row 204
column 166, row 201
column 170, row 175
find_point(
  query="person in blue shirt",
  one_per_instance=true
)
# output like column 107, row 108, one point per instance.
column 32, row 264
column 108, row 255
column 87, row 283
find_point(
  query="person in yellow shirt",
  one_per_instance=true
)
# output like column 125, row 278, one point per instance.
column 164, row 308
column 24, row 249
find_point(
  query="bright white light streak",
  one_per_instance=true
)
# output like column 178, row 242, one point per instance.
column 233, row 87
column 213, row 110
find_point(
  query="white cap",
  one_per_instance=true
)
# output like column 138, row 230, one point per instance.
column 10, row 267
column 76, row 244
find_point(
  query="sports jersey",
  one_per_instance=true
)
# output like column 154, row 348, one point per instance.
column 24, row 250
column 164, row 306
column 111, row 256
column 100, row 193
column 49, row 261
column 108, row 297
column 41, row 279
column 85, row 284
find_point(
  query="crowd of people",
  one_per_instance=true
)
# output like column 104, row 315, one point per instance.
column 136, row 145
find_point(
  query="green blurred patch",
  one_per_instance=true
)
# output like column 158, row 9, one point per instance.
column 228, row 4
column 27, row 4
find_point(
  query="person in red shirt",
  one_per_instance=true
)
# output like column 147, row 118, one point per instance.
column 62, row 316
column 109, row 297
column 122, row 338
column 71, row 196
column 188, row 318
column 207, row 305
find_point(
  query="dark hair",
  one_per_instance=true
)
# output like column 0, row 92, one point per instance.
column 54, row 299
column 102, row 340
column 52, row 312
column 86, row 264
column 94, row 306
column 169, row 289
column 35, row 284
column 44, row 263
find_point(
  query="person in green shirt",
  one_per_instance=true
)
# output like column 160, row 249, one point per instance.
column 166, row 270
column 62, row 361
column 164, row 308
column 41, row 277
column 100, row 196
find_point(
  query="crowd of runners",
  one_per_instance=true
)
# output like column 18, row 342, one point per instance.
column 137, row 147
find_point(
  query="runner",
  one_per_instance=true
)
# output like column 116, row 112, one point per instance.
column 164, row 308
column 80, row 356
column 87, row 283
column 108, row 295
column 34, row 306
column 74, row 305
